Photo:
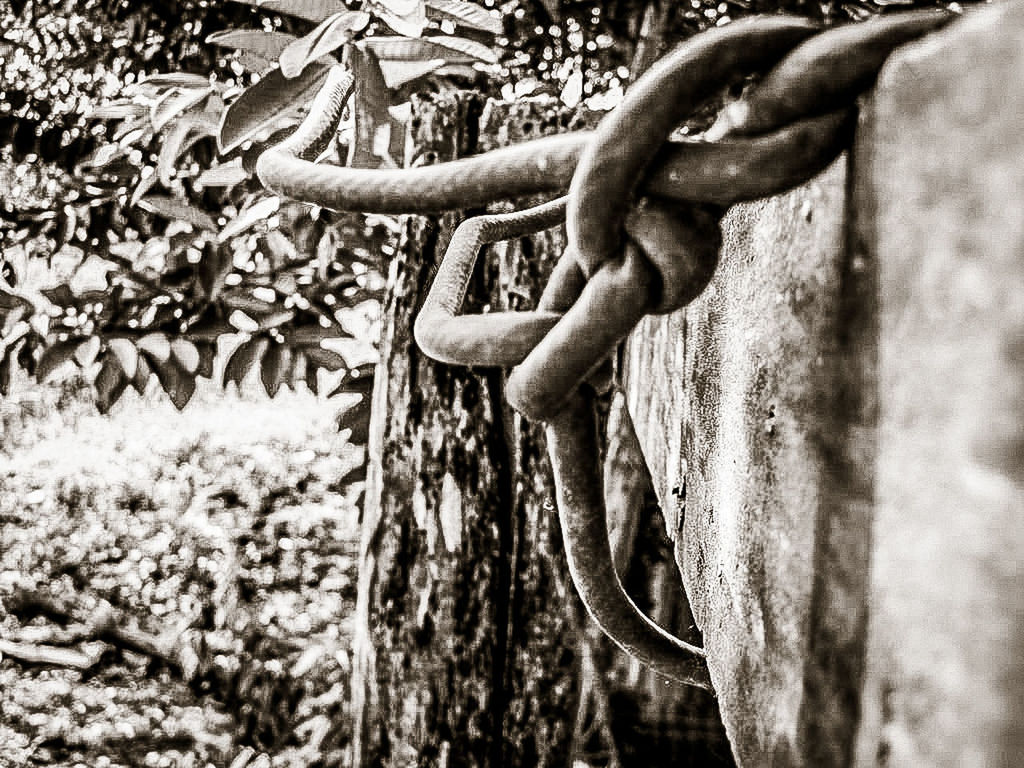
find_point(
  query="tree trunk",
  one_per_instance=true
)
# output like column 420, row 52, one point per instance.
column 470, row 638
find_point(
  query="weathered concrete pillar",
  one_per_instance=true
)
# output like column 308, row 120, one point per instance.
column 941, row 173
column 836, row 430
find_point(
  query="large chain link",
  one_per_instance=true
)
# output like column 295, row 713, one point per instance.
column 642, row 217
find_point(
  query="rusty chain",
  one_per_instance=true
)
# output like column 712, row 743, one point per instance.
column 642, row 217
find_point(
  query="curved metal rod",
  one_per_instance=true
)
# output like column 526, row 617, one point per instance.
column 755, row 169
column 721, row 173
column 824, row 72
column 500, row 339
column 628, row 139
column 573, row 449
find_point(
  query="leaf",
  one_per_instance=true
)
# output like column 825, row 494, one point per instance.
column 332, row 33
column 324, row 358
column 213, row 268
column 121, row 109
column 60, row 295
column 6, row 370
column 312, row 383
column 305, row 335
column 157, row 346
column 184, row 134
column 273, row 96
column 54, row 357
column 110, row 384
column 276, row 365
column 409, row 19
column 127, row 355
column 267, row 45
column 310, row 10
column 465, row 14
column 250, row 216
column 209, row 331
column 224, row 175
column 11, row 301
column 357, row 419
column 207, row 355
column 178, row 383
column 276, row 319
column 242, row 359
column 278, row 248
column 359, row 381
column 146, row 183
column 173, row 103
column 177, row 209
column 85, row 354
column 398, row 73
column 454, row 50
column 177, row 80
column 186, row 354
column 248, row 304
column 141, row 377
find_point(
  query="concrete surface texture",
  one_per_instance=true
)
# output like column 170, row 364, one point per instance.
column 836, row 431
column 943, row 173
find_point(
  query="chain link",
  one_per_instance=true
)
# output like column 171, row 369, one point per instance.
column 628, row 255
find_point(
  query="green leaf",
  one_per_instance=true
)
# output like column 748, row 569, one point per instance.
column 357, row 419
column 86, row 352
column 267, row 45
column 110, row 383
column 311, row 380
column 213, row 268
column 207, row 355
column 454, row 50
column 405, row 18
column 146, row 183
column 173, row 103
column 306, row 335
column 332, row 33
column 465, row 14
column 177, row 208
column 141, row 377
column 398, row 73
column 249, row 216
column 6, row 369
column 126, row 354
column 54, row 357
column 122, row 109
column 324, row 358
column 177, row 80
column 359, row 380
column 10, row 301
column 178, row 383
column 157, row 346
column 184, row 134
column 186, row 354
column 224, row 175
column 209, row 331
column 272, row 97
column 276, row 365
column 242, row 359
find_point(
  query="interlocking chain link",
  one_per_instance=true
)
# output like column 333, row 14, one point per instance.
column 642, row 216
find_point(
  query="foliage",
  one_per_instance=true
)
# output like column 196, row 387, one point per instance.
column 229, row 543
column 175, row 245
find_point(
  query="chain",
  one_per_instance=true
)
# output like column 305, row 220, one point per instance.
column 642, row 217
